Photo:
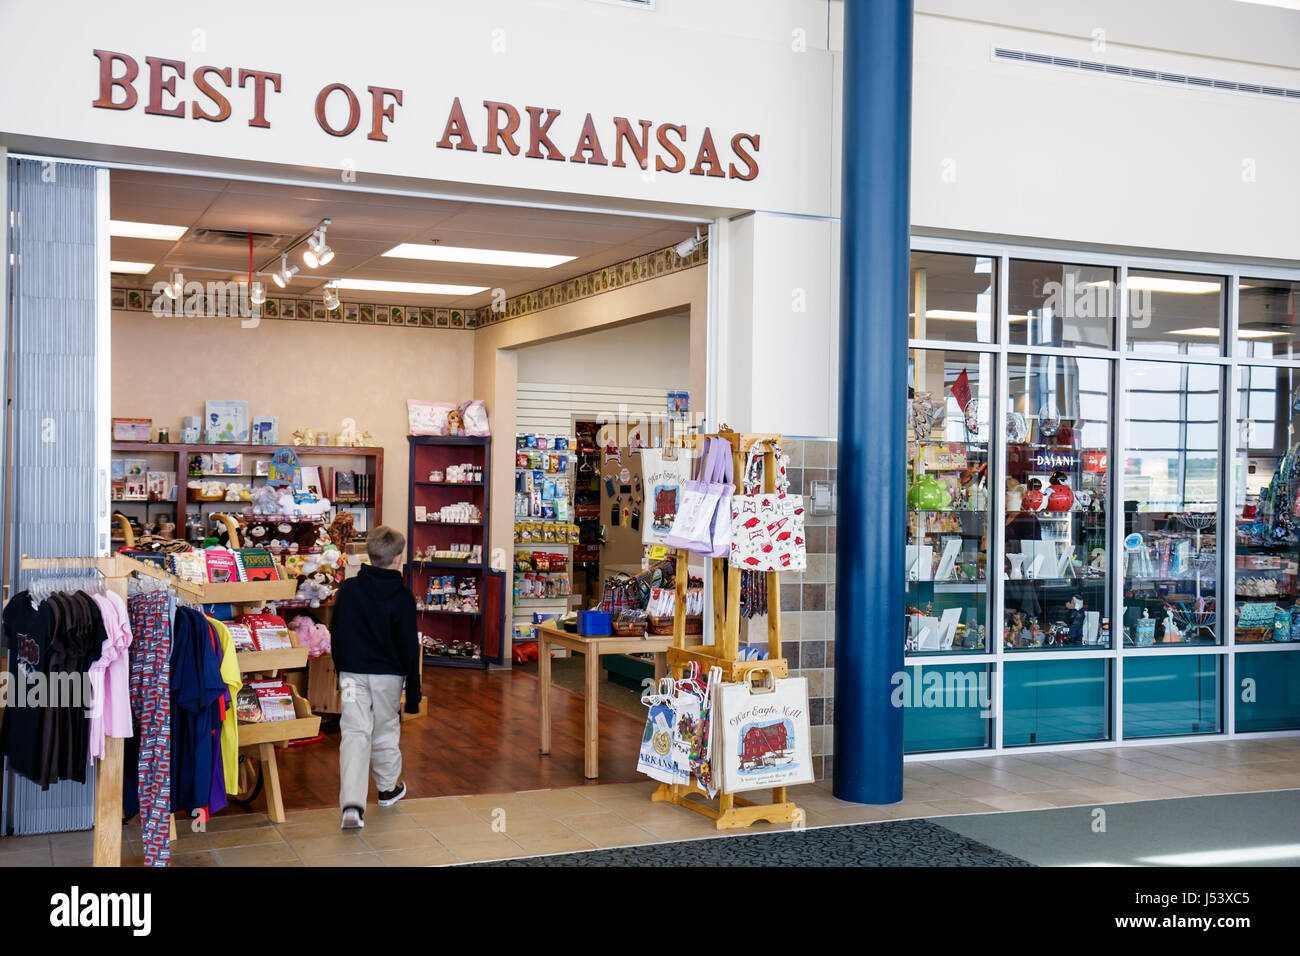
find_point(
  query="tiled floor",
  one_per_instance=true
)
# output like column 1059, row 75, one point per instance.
column 474, row 828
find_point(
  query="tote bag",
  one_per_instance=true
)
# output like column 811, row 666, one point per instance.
column 656, row 759
column 761, row 734
column 662, row 478
column 767, row 527
column 701, row 502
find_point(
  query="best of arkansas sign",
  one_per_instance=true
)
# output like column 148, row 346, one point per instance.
column 163, row 87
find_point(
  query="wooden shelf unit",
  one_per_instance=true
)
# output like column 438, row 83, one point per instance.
column 434, row 453
column 731, row 811
column 180, row 451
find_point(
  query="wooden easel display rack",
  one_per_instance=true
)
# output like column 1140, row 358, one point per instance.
column 731, row 811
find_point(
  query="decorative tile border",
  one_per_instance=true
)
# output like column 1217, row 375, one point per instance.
column 652, row 265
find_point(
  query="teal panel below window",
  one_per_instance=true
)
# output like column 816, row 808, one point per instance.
column 1053, row 702
column 945, row 707
column 1169, row 695
column 1274, row 692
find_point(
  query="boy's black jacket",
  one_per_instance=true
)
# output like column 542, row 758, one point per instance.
column 374, row 631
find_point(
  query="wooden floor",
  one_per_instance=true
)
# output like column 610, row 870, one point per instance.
column 480, row 736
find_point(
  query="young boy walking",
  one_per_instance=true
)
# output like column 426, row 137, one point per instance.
column 376, row 651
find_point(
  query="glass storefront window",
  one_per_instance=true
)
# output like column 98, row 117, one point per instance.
column 951, row 399
column 945, row 707
column 1053, row 702
column 1167, row 695
column 1266, row 319
column 1171, row 494
column 1272, row 699
column 952, row 298
column 1056, row 538
column 1266, row 578
column 1173, row 313
column 1056, row 304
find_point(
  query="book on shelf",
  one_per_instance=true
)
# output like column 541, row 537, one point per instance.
column 275, row 700
column 345, row 485
column 241, row 637
column 222, row 565
column 256, row 564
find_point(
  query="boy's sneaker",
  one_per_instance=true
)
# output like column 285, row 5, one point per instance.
column 388, row 797
column 352, row 818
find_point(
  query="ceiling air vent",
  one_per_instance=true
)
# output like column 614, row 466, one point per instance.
column 1140, row 73
column 235, row 238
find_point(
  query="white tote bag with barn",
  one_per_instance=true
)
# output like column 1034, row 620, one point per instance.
column 663, row 480
column 762, row 735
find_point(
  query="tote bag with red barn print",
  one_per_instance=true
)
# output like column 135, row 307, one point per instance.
column 767, row 527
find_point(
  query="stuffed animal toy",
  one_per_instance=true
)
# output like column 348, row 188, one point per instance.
column 342, row 530
column 313, row 589
column 455, row 424
column 312, row 635
column 264, row 499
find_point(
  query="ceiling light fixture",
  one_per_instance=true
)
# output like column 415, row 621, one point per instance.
column 687, row 246
column 331, row 296
column 124, row 229
column 1163, row 284
column 317, row 252
column 486, row 257
column 286, row 271
column 176, row 287
column 1210, row 332
column 130, row 268
column 257, row 293
column 416, row 288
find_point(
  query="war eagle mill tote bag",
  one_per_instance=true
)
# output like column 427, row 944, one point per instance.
column 662, row 478
column 762, row 733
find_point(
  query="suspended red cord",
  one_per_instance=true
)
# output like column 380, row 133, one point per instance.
column 250, row 259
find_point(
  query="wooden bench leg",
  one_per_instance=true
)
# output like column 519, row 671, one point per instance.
column 544, row 694
column 591, row 728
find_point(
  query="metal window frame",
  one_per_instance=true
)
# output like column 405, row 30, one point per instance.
column 1001, row 350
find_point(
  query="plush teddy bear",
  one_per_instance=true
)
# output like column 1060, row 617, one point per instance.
column 313, row 589
column 312, row 635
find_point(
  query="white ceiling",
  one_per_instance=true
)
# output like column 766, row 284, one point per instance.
column 363, row 226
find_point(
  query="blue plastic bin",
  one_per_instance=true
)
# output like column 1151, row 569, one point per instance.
column 595, row 623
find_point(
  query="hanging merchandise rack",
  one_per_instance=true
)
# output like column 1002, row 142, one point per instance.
column 731, row 811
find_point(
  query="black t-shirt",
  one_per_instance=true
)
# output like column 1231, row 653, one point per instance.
column 27, row 634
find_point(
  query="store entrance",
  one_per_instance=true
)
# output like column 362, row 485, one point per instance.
column 591, row 409
column 362, row 332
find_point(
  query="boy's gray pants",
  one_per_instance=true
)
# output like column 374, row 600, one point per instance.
column 371, row 726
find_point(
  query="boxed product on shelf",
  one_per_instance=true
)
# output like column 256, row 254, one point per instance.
column 132, row 429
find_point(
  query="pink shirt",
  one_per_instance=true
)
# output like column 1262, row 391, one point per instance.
column 110, row 713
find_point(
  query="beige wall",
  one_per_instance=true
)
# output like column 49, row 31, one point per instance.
column 309, row 375
column 496, row 361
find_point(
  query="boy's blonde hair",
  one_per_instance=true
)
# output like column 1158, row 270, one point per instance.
column 383, row 544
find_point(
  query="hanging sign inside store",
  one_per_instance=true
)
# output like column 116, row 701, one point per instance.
column 172, row 88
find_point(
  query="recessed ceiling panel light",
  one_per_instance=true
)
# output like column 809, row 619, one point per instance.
column 1166, row 284
column 130, row 268
column 415, row 288
column 145, row 230
column 485, row 257
column 1213, row 333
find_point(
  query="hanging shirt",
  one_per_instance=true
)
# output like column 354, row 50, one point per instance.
column 196, row 690
column 229, row 722
column 27, row 633
column 110, row 676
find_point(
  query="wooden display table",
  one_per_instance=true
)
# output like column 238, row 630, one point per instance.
column 592, row 646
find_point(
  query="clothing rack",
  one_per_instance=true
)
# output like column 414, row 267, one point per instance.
column 731, row 811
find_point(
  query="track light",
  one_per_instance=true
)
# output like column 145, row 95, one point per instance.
column 257, row 293
column 176, row 287
column 286, row 271
column 331, row 297
column 317, row 253
column 688, row 246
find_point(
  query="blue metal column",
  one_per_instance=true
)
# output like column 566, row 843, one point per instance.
column 870, row 571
